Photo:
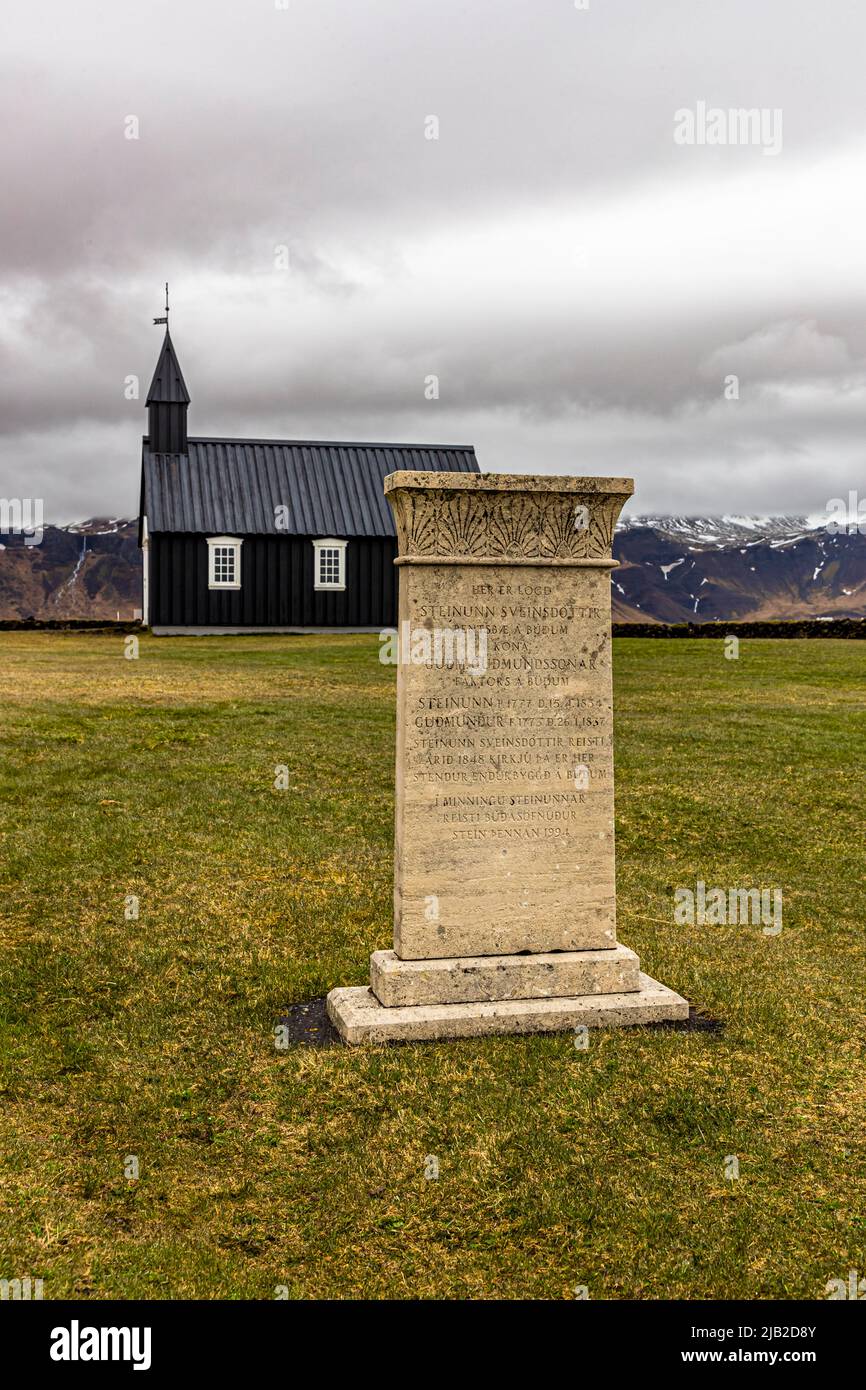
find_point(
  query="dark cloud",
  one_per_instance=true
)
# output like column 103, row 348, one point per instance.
column 579, row 283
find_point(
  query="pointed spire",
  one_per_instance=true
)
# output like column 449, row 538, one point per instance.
column 168, row 385
column 167, row 399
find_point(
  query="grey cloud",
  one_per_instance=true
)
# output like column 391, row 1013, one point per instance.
column 305, row 128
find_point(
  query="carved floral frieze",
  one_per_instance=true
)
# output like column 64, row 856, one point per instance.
column 511, row 525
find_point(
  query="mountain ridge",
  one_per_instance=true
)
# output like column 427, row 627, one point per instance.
column 671, row 569
column 676, row 569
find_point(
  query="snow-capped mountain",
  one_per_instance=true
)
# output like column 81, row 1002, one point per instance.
column 671, row 569
column 88, row 570
column 693, row 569
column 98, row 526
column 719, row 531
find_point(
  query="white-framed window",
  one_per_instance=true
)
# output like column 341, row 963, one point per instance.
column 329, row 559
column 224, row 562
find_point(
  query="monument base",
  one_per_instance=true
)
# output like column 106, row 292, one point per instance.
column 359, row 1017
column 487, row 979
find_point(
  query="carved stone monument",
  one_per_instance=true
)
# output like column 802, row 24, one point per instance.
column 504, row 886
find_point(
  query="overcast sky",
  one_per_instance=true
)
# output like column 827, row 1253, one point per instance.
column 580, row 283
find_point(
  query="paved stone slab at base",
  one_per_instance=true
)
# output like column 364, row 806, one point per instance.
column 399, row 983
column 359, row 1017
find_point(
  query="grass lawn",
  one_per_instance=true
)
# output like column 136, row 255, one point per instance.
column 305, row 1168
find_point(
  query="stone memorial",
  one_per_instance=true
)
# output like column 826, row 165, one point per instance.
column 504, row 884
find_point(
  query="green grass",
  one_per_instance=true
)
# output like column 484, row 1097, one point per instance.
column 305, row 1168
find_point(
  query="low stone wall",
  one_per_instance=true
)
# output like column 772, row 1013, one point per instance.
column 67, row 625
column 806, row 627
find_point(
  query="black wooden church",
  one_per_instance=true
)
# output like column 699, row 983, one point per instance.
column 267, row 535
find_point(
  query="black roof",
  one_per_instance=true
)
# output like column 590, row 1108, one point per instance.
column 234, row 486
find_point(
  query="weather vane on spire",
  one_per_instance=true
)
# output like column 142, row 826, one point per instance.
column 165, row 319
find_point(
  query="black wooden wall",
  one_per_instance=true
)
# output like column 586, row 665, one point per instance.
column 276, row 585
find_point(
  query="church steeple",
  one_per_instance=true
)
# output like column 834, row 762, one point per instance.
column 167, row 399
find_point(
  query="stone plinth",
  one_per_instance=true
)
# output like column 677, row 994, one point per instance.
column 361, row 1018
column 466, row 979
column 504, row 884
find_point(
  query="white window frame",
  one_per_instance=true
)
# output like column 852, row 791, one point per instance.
column 215, row 543
column 330, row 543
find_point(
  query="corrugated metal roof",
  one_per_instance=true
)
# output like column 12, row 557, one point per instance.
column 234, row 486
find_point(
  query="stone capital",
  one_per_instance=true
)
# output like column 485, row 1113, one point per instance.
column 496, row 518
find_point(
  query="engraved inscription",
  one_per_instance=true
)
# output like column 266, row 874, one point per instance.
column 505, row 776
